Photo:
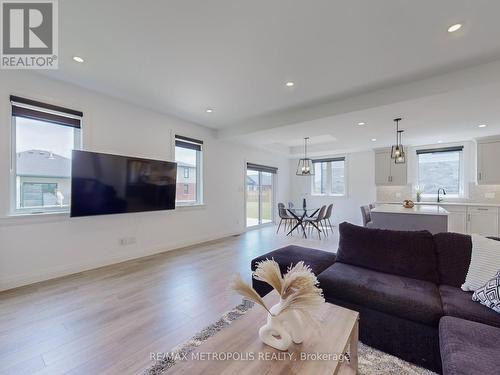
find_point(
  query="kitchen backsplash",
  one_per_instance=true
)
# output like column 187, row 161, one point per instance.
column 477, row 193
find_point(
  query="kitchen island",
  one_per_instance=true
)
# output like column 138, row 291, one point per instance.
column 420, row 217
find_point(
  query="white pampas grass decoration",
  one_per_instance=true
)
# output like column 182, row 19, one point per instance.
column 239, row 286
column 299, row 277
column 291, row 317
column 269, row 272
column 298, row 288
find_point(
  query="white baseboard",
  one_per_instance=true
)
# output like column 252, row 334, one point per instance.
column 7, row 283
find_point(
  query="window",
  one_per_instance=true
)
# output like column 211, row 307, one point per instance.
column 440, row 168
column 43, row 137
column 188, row 155
column 329, row 177
column 320, row 177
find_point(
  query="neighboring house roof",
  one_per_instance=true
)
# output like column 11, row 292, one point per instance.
column 41, row 163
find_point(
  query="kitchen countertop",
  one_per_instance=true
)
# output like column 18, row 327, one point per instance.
column 445, row 203
column 417, row 210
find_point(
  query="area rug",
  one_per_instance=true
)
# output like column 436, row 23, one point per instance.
column 370, row 361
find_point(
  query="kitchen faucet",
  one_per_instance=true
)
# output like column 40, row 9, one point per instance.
column 439, row 196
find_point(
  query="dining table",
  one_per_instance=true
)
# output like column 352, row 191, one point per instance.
column 301, row 215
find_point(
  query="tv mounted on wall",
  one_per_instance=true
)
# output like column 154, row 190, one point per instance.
column 103, row 184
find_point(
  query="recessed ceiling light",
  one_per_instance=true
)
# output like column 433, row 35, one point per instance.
column 361, row 123
column 374, row 139
column 78, row 59
column 209, row 110
column 290, row 84
column 454, row 27
column 482, row 126
column 440, row 141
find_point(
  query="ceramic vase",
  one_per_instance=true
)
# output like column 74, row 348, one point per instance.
column 281, row 330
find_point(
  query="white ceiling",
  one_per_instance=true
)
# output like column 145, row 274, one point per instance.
column 183, row 56
column 449, row 117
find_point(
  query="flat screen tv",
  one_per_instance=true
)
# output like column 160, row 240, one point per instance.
column 103, row 184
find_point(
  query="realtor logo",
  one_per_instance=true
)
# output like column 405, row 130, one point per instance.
column 29, row 34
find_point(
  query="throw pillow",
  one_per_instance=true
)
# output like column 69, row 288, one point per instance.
column 489, row 294
column 485, row 261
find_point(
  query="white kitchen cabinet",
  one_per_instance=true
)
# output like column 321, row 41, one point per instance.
column 398, row 173
column 482, row 220
column 382, row 168
column 488, row 155
column 387, row 172
column 457, row 218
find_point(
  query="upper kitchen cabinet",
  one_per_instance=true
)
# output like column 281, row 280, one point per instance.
column 488, row 156
column 386, row 171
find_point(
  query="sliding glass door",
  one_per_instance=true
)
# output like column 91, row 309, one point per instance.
column 259, row 195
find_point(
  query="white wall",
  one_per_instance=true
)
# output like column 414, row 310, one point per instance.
column 360, row 188
column 38, row 248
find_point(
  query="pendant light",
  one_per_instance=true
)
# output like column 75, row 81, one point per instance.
column 305, row 166
column 397, row 148
column 401, row 158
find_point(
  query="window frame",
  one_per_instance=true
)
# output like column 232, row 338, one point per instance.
column 260, row 168
column 461, row 170
column 49, row 110
column 329, row 177
column 199, row 168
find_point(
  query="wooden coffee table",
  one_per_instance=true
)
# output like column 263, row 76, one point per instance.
column 318, row 354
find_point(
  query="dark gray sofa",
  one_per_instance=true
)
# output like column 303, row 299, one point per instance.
column 403, row 284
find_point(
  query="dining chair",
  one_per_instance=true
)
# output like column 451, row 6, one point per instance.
column 366, row 216
column 326, row 220
column 316, row 221
column 283, row 214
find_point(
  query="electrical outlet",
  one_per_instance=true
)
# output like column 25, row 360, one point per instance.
column 125, row 241
column 490, row 195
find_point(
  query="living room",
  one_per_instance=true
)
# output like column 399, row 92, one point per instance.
column 139, row 180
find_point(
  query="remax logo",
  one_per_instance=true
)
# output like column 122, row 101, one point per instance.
column 29, row 34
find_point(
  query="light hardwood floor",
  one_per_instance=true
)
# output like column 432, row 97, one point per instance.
column 109, row 320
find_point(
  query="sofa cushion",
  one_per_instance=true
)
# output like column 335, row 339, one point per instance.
column 459, row 304
column 489, row 294
column 318, row 260
column 454, row 254
column 409, row 254
column 412, row 299
column 468, row 347
column 484, row 264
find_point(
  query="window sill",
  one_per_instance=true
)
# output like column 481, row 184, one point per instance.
column 33, row 218
column 329, row 195
column 187, row 207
